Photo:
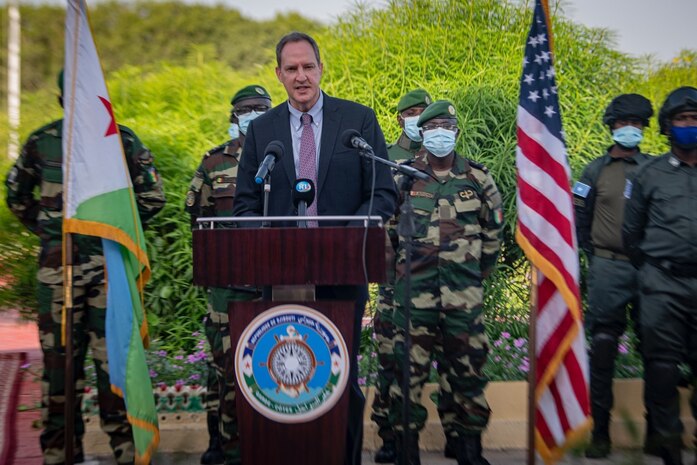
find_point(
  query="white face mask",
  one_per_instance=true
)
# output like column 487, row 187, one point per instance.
column 233, row 131
column 411, row 129
column 246, row 119
column 440, row 142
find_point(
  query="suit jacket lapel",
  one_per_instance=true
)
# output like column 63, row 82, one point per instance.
column 281, row 128
column 330, row 133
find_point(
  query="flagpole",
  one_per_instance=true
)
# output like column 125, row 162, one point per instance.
column 532, row 359
column 69, row 412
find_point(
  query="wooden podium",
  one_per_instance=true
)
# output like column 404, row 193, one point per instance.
column 285, row 257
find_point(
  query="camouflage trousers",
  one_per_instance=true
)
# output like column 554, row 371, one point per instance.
column 88, row 331
column 461, row 354
column 385, row 333
column 221, row 385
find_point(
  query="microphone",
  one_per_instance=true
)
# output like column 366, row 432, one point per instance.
column 274, row 151
column 352, row 138
column 303, row 196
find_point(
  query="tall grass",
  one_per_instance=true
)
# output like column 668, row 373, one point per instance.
column 468, row 52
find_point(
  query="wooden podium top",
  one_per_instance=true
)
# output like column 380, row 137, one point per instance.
column 326, row 256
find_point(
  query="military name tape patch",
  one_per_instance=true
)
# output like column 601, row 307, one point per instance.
column 291, row 364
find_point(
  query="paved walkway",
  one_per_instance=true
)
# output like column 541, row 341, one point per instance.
column 22, row 336
column 507, row 457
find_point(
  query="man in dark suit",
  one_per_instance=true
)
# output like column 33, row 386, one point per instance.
column 309, row 125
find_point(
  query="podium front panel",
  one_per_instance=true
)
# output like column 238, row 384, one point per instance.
column 319, row 441
column 292, row 256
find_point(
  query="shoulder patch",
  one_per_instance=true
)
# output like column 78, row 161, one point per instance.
column 190, row 199
column 498, row 215
column 581, row 190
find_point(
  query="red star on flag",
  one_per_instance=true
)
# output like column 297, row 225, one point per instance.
column 111, row 130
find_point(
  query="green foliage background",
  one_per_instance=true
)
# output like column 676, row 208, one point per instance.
column 173, row 89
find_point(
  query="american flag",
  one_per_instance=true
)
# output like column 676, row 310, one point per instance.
column 546, row 233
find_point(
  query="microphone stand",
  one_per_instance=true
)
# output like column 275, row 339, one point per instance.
column 267, row 191
column 406, row 230
column 406, row 170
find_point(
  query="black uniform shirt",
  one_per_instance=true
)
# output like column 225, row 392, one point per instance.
column 660, row 220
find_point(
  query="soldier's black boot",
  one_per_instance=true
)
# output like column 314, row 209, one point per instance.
column 412, row 449
column 652, row 445
column 671, row 454
column 386, row 454
column 214, row 454
column 469, row 450
column 449, row 451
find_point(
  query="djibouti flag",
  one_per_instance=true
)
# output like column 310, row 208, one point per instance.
column 99, row 201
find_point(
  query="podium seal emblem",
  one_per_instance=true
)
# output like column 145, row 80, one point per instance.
column 291, row 364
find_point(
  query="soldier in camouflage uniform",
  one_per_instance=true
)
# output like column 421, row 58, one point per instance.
column 658, row 232
column 458, row 223
column 39, row 167
column 409, row 108
column 211, row 193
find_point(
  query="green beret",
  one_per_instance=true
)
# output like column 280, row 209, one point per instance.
column 438, row 109
column 60, row 81
column 414, row 98
column 254, row 91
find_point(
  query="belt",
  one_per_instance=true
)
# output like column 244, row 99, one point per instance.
column 604, row 253
column 679, row 270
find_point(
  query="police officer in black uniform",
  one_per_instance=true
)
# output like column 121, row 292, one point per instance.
column 660, row 236
column 599, row 203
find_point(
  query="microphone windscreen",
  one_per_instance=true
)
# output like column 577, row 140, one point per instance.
column 347, row 136
column 275, row 148
column 303, row 190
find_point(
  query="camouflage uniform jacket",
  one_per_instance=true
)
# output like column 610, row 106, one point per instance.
column 402, row 150
column 39, row 166
column 212, row 189
column 458, row 227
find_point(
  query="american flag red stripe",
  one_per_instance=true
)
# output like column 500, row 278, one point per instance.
column 546, row 233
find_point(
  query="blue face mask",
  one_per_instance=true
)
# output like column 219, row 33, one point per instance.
column 233, row 131
column 627, row 136
column 440, row 142
column 411, row 129
column 684, row 137
column 246, row 119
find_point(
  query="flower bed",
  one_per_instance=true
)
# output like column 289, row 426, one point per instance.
column 179, row 377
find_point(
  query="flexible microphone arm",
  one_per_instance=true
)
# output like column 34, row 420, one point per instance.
column 404, row 169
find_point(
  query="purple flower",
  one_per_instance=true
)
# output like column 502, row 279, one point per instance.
column 196, row 333
column 179, row 382
column 621, row 348
column 497, row 359
column 152, row 373
column 373, row 354
column 361, row 381
column 178, row 357
column 195, row 377
column 505, row 335
column 434, row 364
column 162, row 353
column 524, row 366
column 498, row 342
column 360, row 357
column 520, row 342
